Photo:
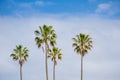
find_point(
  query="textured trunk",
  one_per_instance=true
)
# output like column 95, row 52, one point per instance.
column 46, row 60
column 81, row 67
column 20, row 71
column 54, row 71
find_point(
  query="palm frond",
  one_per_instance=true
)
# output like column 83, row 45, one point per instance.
column 60, row 56
column 38, row 41
column 74, row 39
column 37, row 32
column 82, row 43
column 20, row 53
column 41, row 30
column 15, row 58
column 74, row 44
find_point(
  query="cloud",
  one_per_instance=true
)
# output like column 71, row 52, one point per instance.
column 39, row 3
column 101, row 63
column 25, row 8
column 103, row 7
column 42, row 3
column 110, row 8
column 36, row 3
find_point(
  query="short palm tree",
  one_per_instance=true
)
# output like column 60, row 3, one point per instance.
column 55, row 54
column 82, row 44
column 45, row 36
column 21, row 54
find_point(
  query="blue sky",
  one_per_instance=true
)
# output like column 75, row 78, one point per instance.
column 98, row 18
column 38, row 7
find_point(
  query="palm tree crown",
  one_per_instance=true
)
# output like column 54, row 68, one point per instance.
column 55, row 54
column 45, row 34
column 82, row 44
column 20, row 54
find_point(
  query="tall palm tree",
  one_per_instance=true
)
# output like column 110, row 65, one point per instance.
column 45, row 36
column 21, row 54
column 55, row 54
column 82, row 44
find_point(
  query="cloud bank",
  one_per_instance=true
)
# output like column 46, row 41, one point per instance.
column 108, row 8
column 101, row 63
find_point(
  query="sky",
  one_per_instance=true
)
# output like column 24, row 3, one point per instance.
column 98, row 18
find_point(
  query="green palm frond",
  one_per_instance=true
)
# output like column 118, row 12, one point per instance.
column 55, row 54
column 41, row 30
column 74, row 44
column 37, row 32
column 52, row 42
column 14, row 56
column 20, row 53
column 47, row 35
column 82, row 43
column 26, row 56
column 53, row 37
column 74, row 39
column 38, row 41
column 16, row 51
column 60, row 56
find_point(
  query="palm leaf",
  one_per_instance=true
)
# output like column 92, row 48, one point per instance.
column 20, row 54
column 82, row 43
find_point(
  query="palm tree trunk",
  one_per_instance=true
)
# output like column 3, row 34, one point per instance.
column 81, row 67
column 46, row 61
column 54, row 71
column 20, row 72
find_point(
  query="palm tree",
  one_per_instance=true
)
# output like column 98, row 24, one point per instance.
column 82, row 44
column 45, row 37
column 20, row 54
column 55, row 54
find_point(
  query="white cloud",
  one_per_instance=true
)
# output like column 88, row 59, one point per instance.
column 109, row 8
column 42, row 3
column 30, row 5
column 99, row 63
column 39, row 3
column 103, row 7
